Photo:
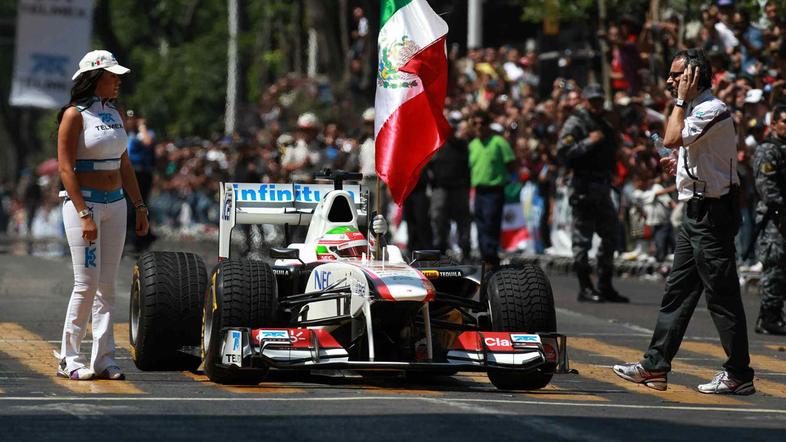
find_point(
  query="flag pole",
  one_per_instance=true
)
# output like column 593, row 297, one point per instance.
column 378, row 205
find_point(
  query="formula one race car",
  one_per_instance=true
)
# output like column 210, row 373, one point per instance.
column 330, row 304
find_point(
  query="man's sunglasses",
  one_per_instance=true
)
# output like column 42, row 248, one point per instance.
column 675, row 75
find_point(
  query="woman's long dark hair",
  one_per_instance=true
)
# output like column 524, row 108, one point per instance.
column 82, row 91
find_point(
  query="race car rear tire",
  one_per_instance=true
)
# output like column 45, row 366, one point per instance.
column 167, row 291
column 520, row 299
column 242, row 293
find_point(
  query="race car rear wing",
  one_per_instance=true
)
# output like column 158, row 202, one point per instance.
column 275, row 203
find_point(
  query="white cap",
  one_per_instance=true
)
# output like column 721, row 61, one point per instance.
column 754, row 96
column 307, row 121
column 368, row 114
column 100, row 60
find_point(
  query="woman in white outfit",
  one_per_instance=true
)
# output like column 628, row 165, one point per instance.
column 97, row 176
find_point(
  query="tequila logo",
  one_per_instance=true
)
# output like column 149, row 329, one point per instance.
column 47, row 64
column 392, row 57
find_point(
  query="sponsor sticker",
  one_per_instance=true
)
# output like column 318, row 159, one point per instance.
column 430, row 274
column 227, row 210
column 265, row 335
column 233, row 349
column 524, row 338
column 322, row 279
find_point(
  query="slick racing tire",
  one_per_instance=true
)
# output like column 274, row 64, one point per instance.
column 167, row 291
column 520, row 299
column 241, row 293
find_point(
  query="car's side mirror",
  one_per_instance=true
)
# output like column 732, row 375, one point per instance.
column 285, row 253
column 426, row 255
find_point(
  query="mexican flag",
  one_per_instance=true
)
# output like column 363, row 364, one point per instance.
column 412, row 76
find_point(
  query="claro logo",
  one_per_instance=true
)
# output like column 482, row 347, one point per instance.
column 497, row 342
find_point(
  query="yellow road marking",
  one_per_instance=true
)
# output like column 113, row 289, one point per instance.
column 413, row 391
column 550, row 391
column 121, row 335
column 555, row 393
column 776, row 347
column 33, row 352
column 262, row 388
column 758, row 362
column 675, row 393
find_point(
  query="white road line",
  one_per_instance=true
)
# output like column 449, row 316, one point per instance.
column 631, row 406
column 389, row 398
column 534, row 423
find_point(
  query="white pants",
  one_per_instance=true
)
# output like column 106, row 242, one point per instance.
column 95, row 269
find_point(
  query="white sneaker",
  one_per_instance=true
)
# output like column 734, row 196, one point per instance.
column 635, row 373
column 723, row 383
column 113, row 373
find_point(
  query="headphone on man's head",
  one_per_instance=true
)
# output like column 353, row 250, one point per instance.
column 696, row 58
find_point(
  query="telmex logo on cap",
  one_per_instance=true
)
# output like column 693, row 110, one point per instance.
column 282, row 193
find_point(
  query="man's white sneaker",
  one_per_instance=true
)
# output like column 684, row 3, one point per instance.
column 113, row 373
column 723, row 383
column 635, row 373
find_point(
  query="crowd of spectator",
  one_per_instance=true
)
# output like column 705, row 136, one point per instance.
column 302, row 125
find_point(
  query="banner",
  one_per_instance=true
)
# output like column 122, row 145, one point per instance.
column 51, row 38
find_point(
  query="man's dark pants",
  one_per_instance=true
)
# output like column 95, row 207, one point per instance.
column 489, row 202
column 416, row 212
column 451, row 203
column 704, row 261
column 771, row 252
column 593, row 212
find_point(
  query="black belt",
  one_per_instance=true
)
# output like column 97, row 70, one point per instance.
column 489, row 189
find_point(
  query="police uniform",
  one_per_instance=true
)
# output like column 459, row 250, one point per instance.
column 704, row 257
column 769, row 161
column 592, row 208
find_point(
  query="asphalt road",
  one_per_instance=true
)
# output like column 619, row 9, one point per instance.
column 593, row 405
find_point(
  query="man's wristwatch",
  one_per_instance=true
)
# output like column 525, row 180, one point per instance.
column 84, row 213
column 141, row 207
column 680, row 103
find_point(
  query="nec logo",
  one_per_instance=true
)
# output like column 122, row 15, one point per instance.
column 47, row 64
column 106, row 117
column 322, row 279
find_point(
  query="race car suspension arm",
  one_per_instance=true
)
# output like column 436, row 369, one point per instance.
column 457, row 301
column 446, row 325
column 427, row 326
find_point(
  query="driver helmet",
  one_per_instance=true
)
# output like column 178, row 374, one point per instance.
column 341, row 242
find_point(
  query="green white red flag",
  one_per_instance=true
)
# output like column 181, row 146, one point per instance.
column 412, row 77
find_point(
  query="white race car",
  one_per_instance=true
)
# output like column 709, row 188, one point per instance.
column 330, row 304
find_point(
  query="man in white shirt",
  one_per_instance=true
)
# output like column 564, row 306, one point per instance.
column 701, row 127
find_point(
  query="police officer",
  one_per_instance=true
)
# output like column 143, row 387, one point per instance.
column 450, row 183
column 702, row 128
column 588, row 145
column 769, row 162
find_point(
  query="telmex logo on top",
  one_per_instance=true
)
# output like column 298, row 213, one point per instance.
column 306, row 193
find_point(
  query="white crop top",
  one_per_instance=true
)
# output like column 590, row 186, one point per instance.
column 103, row 139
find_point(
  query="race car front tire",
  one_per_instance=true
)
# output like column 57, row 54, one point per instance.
column 242, row 293
column 520, row 299
column 167, row 291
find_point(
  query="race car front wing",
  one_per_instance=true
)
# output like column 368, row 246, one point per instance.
column 307, row 348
